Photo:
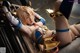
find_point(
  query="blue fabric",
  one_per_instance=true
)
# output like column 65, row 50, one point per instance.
column 38, row 34
column 43, row 21
column 63, row 30
column 19, row 25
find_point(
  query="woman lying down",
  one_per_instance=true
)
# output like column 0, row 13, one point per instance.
column 34, row 29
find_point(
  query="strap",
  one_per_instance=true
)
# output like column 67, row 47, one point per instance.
column 62, row 30
column 43, row 21
column 38, row 36
column 19, row 25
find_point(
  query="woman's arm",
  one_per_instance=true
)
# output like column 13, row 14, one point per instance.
column 42, row 20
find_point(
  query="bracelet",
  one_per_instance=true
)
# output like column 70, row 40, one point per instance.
column 43, row 21
column 62, row 30
column 19, row 25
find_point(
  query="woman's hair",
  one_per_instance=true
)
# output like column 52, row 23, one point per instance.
column 23, row 13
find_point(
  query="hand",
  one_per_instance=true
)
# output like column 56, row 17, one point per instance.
column 5, row 9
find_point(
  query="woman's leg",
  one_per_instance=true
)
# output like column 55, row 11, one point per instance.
column 62, row 33
column 75, row 29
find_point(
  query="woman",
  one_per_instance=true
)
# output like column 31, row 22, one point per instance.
column 26, row 23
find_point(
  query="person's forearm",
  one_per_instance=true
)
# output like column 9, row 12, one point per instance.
column 41, row 18
column 30, row 29
column 11, row 18
column 37, row 15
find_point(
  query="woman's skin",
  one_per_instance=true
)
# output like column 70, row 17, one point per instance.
column 62, row 23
